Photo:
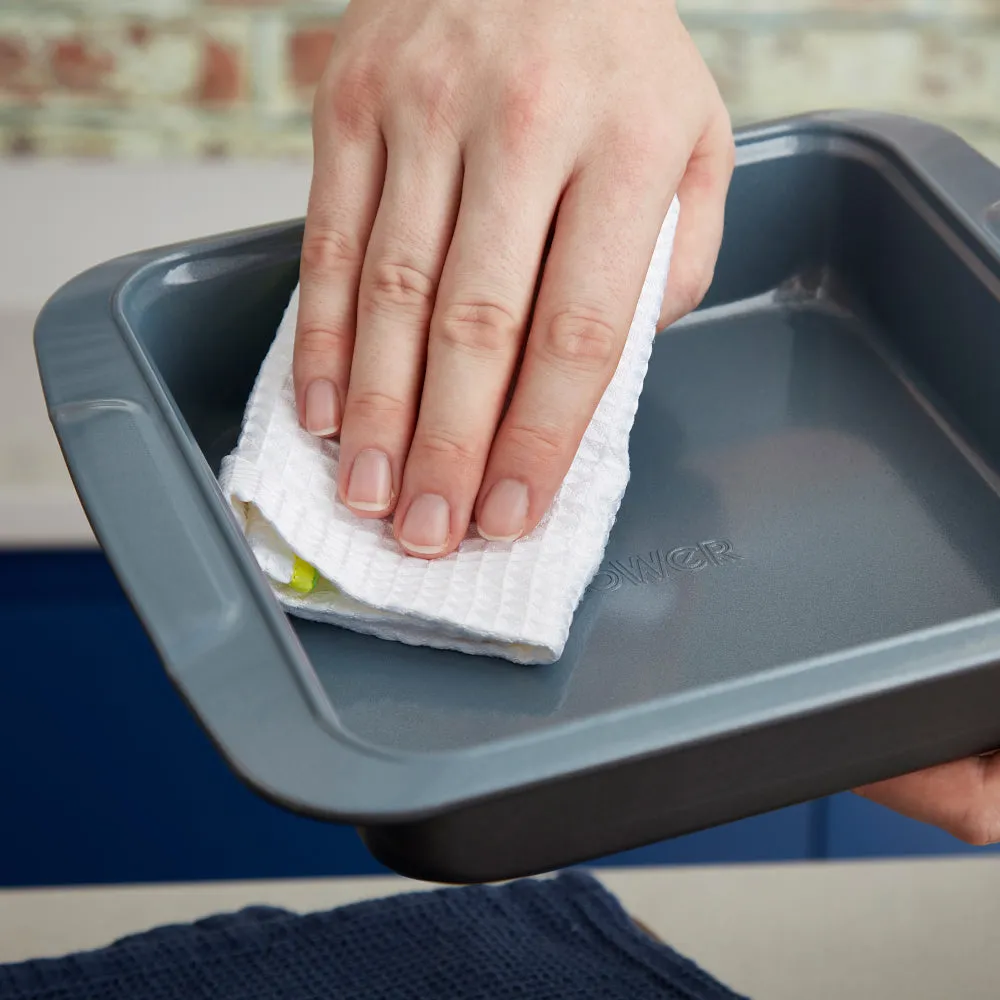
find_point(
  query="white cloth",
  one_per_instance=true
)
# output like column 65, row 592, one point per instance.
column 510, row 600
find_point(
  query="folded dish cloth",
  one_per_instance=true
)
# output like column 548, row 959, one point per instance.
column 531, row 940
column 510, row 600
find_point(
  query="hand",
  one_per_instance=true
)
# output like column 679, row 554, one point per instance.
column 456, row 144
column 962, row 798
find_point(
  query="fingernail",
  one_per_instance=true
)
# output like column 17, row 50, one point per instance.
column 370, row 485
column 426, row 525
column 504, row 511
column 322, row 408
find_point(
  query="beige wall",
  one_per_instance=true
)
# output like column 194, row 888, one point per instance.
column 140, row 78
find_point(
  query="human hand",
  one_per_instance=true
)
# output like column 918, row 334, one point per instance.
column 456, row 145
column 962, row 797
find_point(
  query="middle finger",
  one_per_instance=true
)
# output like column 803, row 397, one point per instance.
column 476, row 336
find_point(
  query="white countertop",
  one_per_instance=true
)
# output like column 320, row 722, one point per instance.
column 61, row 218
column 919, row 930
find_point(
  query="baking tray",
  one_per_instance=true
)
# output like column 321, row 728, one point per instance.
column 801, row 592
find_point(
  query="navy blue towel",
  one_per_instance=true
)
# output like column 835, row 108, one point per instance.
column 558, row 938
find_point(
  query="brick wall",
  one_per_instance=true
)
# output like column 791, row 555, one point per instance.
column 135, row 78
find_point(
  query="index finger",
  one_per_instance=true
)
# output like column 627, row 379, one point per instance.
column 348, row 174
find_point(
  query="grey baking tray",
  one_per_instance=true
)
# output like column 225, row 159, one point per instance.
column 801, row 592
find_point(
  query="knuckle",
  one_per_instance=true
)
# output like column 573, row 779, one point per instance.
column 329, row 252
column 634, row 158
column 316, row 340
column 578, row 340
column 640, row 145
column 526, row 105
column 483, row 329
column 373, row 406
column 536, row 444
column 352, row 97
column 442, row 446
column 435, row 94
column 394, row 285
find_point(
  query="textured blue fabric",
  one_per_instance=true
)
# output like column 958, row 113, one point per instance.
column 558, row 938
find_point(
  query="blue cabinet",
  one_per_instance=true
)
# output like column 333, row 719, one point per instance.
column 785, row 835
column 106, row 777
column 104, row 774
